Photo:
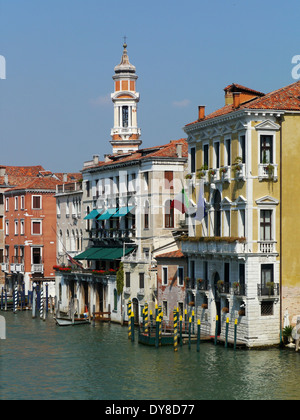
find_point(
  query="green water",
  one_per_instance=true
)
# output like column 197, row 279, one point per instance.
column 40, row 360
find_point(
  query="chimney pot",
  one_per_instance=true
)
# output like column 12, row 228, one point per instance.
column 201, row 112
column 236, row 99
column 179, row 150
column 96, row 159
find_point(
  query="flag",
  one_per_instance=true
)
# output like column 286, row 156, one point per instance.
column 72, row 261
column 201, row 213
column 180, row 202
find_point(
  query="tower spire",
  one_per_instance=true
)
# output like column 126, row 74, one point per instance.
column 125, row 133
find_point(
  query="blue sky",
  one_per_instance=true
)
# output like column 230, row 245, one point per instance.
column 55, row 107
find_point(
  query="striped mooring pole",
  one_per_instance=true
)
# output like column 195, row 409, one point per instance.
column 41, row 301
column 15, row 298
column 180, row 331
column 129, row 319
column 157, row 327
column 146, row 318
column 175, row 330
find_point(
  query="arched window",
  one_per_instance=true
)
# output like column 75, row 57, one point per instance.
column 217, row 213
column 169, row 214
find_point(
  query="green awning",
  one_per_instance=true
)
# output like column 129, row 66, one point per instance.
column 92, row 215
column 123, row 211
column 107, row 254
column 107, row 214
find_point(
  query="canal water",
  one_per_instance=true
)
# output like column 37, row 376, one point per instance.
column 39, row 360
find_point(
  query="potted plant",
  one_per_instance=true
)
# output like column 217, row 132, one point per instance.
column 270, row 169
column 191, row 303
column 212, row 172
column 236, row 285
column 287, row 334
column 220, row 284
column 204, row 306
column 225, row 310
column 223, row 171
column 270, row 286
column 242, row 312
column 189, row 176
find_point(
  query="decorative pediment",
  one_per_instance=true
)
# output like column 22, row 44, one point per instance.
column 267, row 200
column 240, row 201
column 226, row 202
column 267, row 125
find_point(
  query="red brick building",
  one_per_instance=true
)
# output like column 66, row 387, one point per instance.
column 171, row 287
column 30, row 232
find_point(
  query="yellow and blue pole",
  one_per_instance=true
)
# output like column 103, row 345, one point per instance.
column 193, row 319
column 180, row 339
column 132, row 326
column 190, row 324
column 175, row 330
column 157, row 327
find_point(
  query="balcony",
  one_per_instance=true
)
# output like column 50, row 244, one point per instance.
column 5, row 267
column 267, row 247
column 37, row 268
column 211, row 245
column 270, row 290
column 267, row 171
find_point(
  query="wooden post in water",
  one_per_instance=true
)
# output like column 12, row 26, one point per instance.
column 146, row 318
column 41, row 301
column 157, row 327
column 15, row 300
column 132, row 326
column 175, row 330
column 226, row 334
column 94, row 316
column 190, row 325
column 5, row 300
column 193, row 320
column 217, row 328
column 34, row 303
column 2, row 294
column 129, row 323
column 180, row 333
column 235, row 333
column 198, row 336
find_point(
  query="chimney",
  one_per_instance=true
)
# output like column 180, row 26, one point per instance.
column 201, row 112
column 179, row 150
column 95, row 159
column 236, row 99
column 65, row 177
column 2, row 170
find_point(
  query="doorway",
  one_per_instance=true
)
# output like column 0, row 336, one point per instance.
column 217, row 301
column 135, row 308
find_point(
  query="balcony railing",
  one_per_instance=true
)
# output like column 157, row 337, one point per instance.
column 267, row 247
column 214, row 246
column 113, row 233
column 267, row 171
column 269, row 290
column 37, row 268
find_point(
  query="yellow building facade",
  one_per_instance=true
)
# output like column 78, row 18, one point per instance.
column 244, row 252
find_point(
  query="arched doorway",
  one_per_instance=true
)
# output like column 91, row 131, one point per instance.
column 135, row 308
column 216, row 278
column 217, row 213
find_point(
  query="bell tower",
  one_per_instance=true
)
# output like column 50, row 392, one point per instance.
column 125, row 133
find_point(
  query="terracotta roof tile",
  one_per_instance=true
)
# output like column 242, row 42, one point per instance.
column 284, row 99
column 172, row 254
column 168, row 150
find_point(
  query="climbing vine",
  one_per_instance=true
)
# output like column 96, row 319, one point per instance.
column 120, row 279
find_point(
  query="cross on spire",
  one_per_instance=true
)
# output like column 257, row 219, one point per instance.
column 125, row 41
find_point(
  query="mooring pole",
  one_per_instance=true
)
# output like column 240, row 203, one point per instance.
column 198, row 336
column 217, row 328
column 2, row 294
column 226, row 334
column 34, row 302
column 235, row 333
column 132, row 326
column 175, row 330
column 15, row 300
column 190, row 325
column 180, row 336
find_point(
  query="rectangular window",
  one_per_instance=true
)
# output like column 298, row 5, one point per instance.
column 16, row 203
column 6, row 204
column 193, row 160
column 22, row 202
column 36, row 202
column 242, row 274
column 36, row 256
column 217, row 154
column 227, row 273
column 242, row 229
column 141, row 280
column 6, row 227
column 227, row 160
column 267, row 274
column 180, row 276
column 266, row 149
column 1, row 223
column 266, row 225
column 169, row 180
column 165, row 276
column 127, row 279
column 165, row 308
column 243, row 148
column 205, row 270
column 87, row 188
column 227, row 223
column 22, row 227
column 36, row 227
column 205, row 155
